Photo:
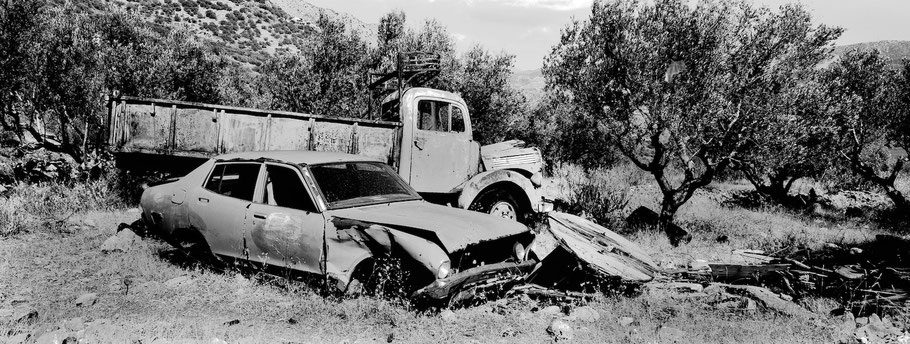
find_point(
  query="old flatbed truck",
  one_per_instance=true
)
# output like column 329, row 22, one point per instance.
column 423, row 133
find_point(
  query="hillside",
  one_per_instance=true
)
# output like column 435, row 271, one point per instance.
column 894, row 50
column 248, row 29
column 529, row 82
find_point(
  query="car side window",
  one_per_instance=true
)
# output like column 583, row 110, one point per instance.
column 236, row 180
column 284, row 188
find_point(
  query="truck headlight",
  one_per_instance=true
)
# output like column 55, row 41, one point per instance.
column 445, row 269
column 520, row 252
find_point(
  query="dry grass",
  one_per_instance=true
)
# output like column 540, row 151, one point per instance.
column 49, row 269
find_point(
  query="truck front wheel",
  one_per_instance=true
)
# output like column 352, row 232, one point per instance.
column 500, row 203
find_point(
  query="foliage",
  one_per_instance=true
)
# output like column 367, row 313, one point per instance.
column 677, row 86
column 798, row 144
column 68, row 59
column 326, row 78
column 869, row 107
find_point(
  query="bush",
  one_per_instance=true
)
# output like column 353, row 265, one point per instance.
column 600, row 195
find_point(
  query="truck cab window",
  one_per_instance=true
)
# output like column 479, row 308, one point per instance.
column 457, row 120
column 433, row 115
column 284, row 188
column 236, row 180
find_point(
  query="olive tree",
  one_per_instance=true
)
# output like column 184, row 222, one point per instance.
column 871, row 109
column 798, row 145
column 683, row 90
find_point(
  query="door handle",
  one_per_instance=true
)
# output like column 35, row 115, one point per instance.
column 203, row 200
column 259, row 216
column 419, row 143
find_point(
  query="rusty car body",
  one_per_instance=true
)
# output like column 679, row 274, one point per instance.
column 330, row 214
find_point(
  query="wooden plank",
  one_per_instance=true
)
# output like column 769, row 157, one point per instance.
column 602, row 249
column 735, row 271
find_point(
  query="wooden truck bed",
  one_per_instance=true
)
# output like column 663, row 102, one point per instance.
column 195, row 130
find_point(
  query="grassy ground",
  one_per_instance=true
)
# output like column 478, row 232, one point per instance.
column 49, row 265
column 49, row 271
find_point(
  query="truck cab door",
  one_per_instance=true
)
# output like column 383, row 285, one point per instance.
column 441, row 152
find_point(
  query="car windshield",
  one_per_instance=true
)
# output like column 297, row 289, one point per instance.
column 360, row 183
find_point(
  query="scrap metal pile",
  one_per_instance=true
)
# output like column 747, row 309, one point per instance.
column 578, row 259
column 871, row 278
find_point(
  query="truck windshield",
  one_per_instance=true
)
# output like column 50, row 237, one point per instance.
column 360, row 183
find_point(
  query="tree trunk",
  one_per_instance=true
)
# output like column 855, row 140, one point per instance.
column 671, row 202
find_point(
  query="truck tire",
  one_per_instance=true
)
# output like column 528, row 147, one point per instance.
column 498, row 202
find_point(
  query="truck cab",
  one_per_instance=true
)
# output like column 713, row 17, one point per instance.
column 441, row 159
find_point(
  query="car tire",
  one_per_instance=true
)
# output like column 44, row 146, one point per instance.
column 500, row 203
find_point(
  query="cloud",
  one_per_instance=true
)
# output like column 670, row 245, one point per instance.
column 558, row 5
column 459, row 36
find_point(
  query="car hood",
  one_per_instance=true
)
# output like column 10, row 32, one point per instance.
column 454, row 228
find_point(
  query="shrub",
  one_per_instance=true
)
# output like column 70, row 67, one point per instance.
column 601, row 195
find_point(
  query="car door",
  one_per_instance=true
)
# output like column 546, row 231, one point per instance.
column 442, row 144
column 285, row 226
column 218, row 209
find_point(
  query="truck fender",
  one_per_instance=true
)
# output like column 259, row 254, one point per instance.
column 479, row 183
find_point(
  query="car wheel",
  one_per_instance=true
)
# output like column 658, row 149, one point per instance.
column 498, row 203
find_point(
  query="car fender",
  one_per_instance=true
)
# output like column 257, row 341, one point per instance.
column 361, row 241
column 477, row 184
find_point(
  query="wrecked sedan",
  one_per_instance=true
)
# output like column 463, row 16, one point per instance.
column 330, row 214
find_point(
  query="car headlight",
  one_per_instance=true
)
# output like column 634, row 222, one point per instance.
column 520, row 252
column 445, row 269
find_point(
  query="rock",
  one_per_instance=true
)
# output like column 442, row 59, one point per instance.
column 751, row 306
column 874, row 320
column 120, row 242
column 3, row 189
column 19, row 338
column 699, row 264
column 550, row 310
column 217, row 341
column 585, row 313
column 133, row 210
column 70, row 340
column 24, row 315
column 87, row 299
column 856, row 251
column 509, row 332
column 89, row 223
column 232, row 322
column 642, row 217
column 53, row 337
column 560, row 330
column 769, row 300
column 177, row 281
column 786, row 297
column 671, row 335
column 447, row 316
column 626, row 321
column 862, row 321
column 74, row 324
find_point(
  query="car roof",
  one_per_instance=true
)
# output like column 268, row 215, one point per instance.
column 297, row 156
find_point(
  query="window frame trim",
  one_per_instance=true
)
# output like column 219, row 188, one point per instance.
column 260, row 187
column 451, row 104
column 235, row 162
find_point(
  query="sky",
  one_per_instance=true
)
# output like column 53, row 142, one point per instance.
column 529, row 29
